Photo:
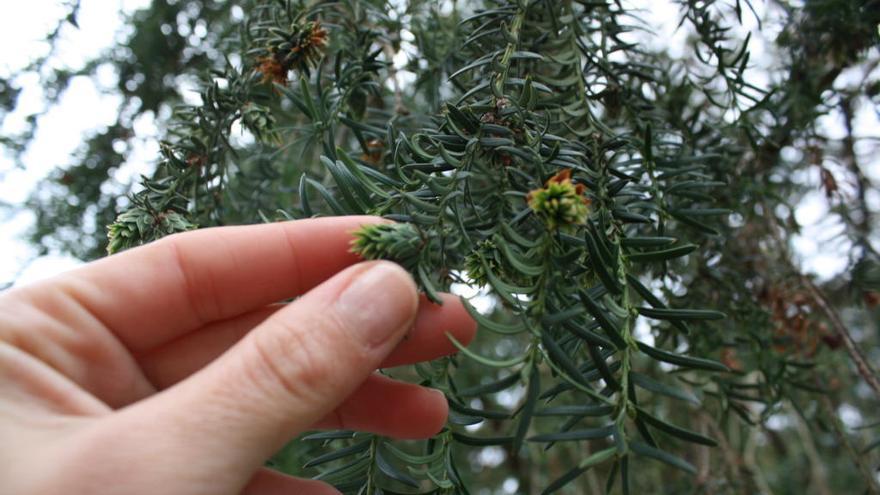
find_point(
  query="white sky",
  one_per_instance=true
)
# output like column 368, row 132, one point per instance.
column 83, row 108
column 87, row 106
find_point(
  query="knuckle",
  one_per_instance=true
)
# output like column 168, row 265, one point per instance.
column 197, row 286
column 291, row 361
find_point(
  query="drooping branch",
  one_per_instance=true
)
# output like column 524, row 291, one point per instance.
column 864, row 367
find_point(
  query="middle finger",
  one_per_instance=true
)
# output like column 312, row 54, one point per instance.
column 176, row 360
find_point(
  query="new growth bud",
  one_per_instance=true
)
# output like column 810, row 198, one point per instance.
column 398, row 242
column 298, row 48
column 135, row 227
column 485, row 256
column 560, row 203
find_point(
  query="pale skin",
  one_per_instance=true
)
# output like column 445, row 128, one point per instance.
column 175, row 368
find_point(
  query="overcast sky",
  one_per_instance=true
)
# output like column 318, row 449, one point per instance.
column 88, row 105
column 84, row 108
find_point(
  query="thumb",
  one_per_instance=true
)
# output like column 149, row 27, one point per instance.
column 292, row 370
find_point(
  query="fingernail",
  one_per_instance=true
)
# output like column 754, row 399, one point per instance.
column 379, row 304
column 438, row 394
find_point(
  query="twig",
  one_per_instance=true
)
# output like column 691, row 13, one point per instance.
column 739, row 471
column 864, row 368
column 818, row 473
column 871, row 486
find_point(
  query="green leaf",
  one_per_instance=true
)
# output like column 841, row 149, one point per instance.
column 606, row 252
column 503, row 289
column 513, row 235
column 428, row 286
column 456, row 418
column 357, row 198
column 603, row 319
column 612, row 476
column 492, row 363
column 651, row 385
column 361, row 127
column 525, row 416
column 304, row 197
column 648, row 296
column 585, row 434
column 601, row 264
column 484, row 60
column 419, row 152
column 647, row 242
column 866, row 426
column 474, row 90
column 493, row 326
column 676, row 431
column 339, row 454
column 559, row 356
column 491, row 387
column 329, row 198
column 518, row 262
column 703, row 212
column 351, row 484
column 329, row 435
column 392, row 472
column 662, row 255
column 662, row 456
column 627, row 216
column 411, row 458
column 355, row 170
column 576, row 410
column 442, row 484
column 307, row 99
column 299, row 102
column 681, row 314
column 602, row 367
column 555, row 317
column 690, row 221
column 590, row 374
column 420, row 204
column 873, row 444
column 694, row 184
column 587, row 335
column 642, row 427
column 591, row 460
column 682, row 360
column 481, row 441
column 494, row 142
column 482, row 413
column 488, row 59
column 349, row 471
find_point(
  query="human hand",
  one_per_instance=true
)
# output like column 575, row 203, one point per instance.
column 172, row 368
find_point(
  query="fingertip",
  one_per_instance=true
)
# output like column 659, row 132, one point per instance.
column 428, row 338
column 400, row 275
column 378, row 305
column 425, row 412
column 269, row 482
column 440, row 408
column 408, row 411
column 316, row 487
column 465, row 327
column 450, row 317
column 399, row 284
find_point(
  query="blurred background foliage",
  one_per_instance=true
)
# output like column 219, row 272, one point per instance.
column 450, row 117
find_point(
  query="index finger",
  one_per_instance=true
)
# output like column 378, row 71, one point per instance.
column 157, row 292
